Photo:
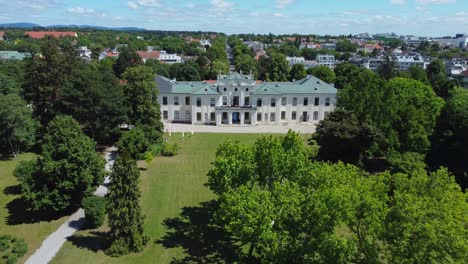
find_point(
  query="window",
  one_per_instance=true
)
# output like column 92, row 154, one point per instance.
column 273, row 102
column 176, row 100
column 316, row 101
column 164, row 100
column 283, row 115
column 272, row 117
column 224, row 89
column 259, row 116
column 294, row 115
column 259, row 102
column 187, row 100
column 246, row 100
column 224, row 100
column 198, row 116
column 306, row 100
column 315, row 115
column 327, row 101
column 212, row 116
column 235, row 90
column 225, row 116
column 325, row 114
column 198, row 101
column 176, row 115
column 212, row 101
column 283, row 100
column 294, row 101
column 165, row 115
column 188, row 115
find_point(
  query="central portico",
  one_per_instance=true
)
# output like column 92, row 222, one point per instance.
column 237, row 99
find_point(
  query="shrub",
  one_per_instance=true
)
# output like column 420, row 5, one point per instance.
column 170, row 150
column 11, row 249
column 134, row 142
column 95, row 210
column 156, row 149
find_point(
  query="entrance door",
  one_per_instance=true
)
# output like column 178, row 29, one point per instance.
column 236, row 101
column 235, row 117
column 304, row 116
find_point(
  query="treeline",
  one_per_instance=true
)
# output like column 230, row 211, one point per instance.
column 63, row 109
column 278, row 206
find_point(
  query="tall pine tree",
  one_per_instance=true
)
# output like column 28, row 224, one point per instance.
column 124, row 211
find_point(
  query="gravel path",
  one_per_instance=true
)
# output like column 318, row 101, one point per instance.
column 54, row 241
column 188, row 128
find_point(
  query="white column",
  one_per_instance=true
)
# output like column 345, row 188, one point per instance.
column 253, row 118
column 229, row 118
column 218, row 119
column 242, row 118
column 194, row 113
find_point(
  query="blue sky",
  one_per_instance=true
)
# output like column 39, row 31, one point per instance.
column 418, row 17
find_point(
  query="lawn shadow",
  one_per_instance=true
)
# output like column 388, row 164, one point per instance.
column 201, row 239
column 95, row 241
column 12, row 190
column 18, row 213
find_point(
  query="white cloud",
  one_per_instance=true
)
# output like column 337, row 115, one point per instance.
column 284, row 3
column 420, row 8
column 190, row 5
column 435, row 2
column 278, row 15
column 397, row 2
column 132, row 5
column 254, row 14
column 81, row 10
column 461, row 14
column 222, row 5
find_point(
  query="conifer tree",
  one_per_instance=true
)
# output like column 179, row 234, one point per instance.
column 124, row 211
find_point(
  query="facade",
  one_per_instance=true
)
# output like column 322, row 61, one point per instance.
column 169, row 58
column 403, row 63
column 326, row 60
column 237, row 99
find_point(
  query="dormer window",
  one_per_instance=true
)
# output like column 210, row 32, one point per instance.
column 224, row 89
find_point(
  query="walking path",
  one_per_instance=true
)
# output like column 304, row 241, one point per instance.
column 54, row 241
column 188, row 128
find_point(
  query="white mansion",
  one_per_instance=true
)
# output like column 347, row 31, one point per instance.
column 240, row 99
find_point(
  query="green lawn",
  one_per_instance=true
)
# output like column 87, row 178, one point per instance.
column 172, row 190
column 14, row 221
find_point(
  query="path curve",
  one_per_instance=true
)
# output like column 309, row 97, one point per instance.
column 55, row 241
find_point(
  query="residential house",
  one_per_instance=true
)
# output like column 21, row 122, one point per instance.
column 2, row 35
column 83, row 52
column 169, row 58
column 145, row 55
column 326, row 60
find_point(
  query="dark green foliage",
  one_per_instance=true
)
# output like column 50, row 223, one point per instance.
column 134, row 142
column 170, row 150
column 450, row 141
column 45, row 75
column 345, row 73
column 246, row 64
column 387, row 69
column 345, row 46
column 309, row 54
column 342, row 137
column 419, row 74
column 95, row 211
column 276, row 68
column 127, row 58
column 324, row 73
column 124, row 211
column 94, row 97
column 18, row 127
column 184, row 72
column 11, row 76
column 11, row 249
column 67, row 169
column 437, row 77
column 141, row 96
column 297, row 72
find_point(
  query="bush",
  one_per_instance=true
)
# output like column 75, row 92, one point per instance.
column 95, row 210
column 117, row 249
column 170, row 150
column 11, row 249
column 156, row 149
column 134, row 142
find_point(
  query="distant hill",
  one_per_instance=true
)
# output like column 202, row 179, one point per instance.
column 31, row 25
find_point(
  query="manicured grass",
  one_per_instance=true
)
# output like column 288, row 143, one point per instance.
column 14, row 221
column 172, row 190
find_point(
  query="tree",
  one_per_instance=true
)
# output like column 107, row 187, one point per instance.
column 324, row 73
column 387, row 69
column 246, row 64
column 134, row 143
column 449, row 142
column 309, row 54
column 94, row 97
column 345, row 46
column 298, row 72
column 67, row 169
column 124, row 211
column 184, row 72
column 233, row 167
column 18, row 126
column 219, row 67
column 342, row 137
column 345, row 73
column 438, row 78
column 127, row 58
column 426, row 220
column 141, row 96
column 278, row 68
column 45, row 76
column 419, row 74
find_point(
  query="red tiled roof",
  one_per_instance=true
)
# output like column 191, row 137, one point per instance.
column 2, row 34
column 56, row 34
column 464, row 73
column 375, row 46
column 148, row 54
